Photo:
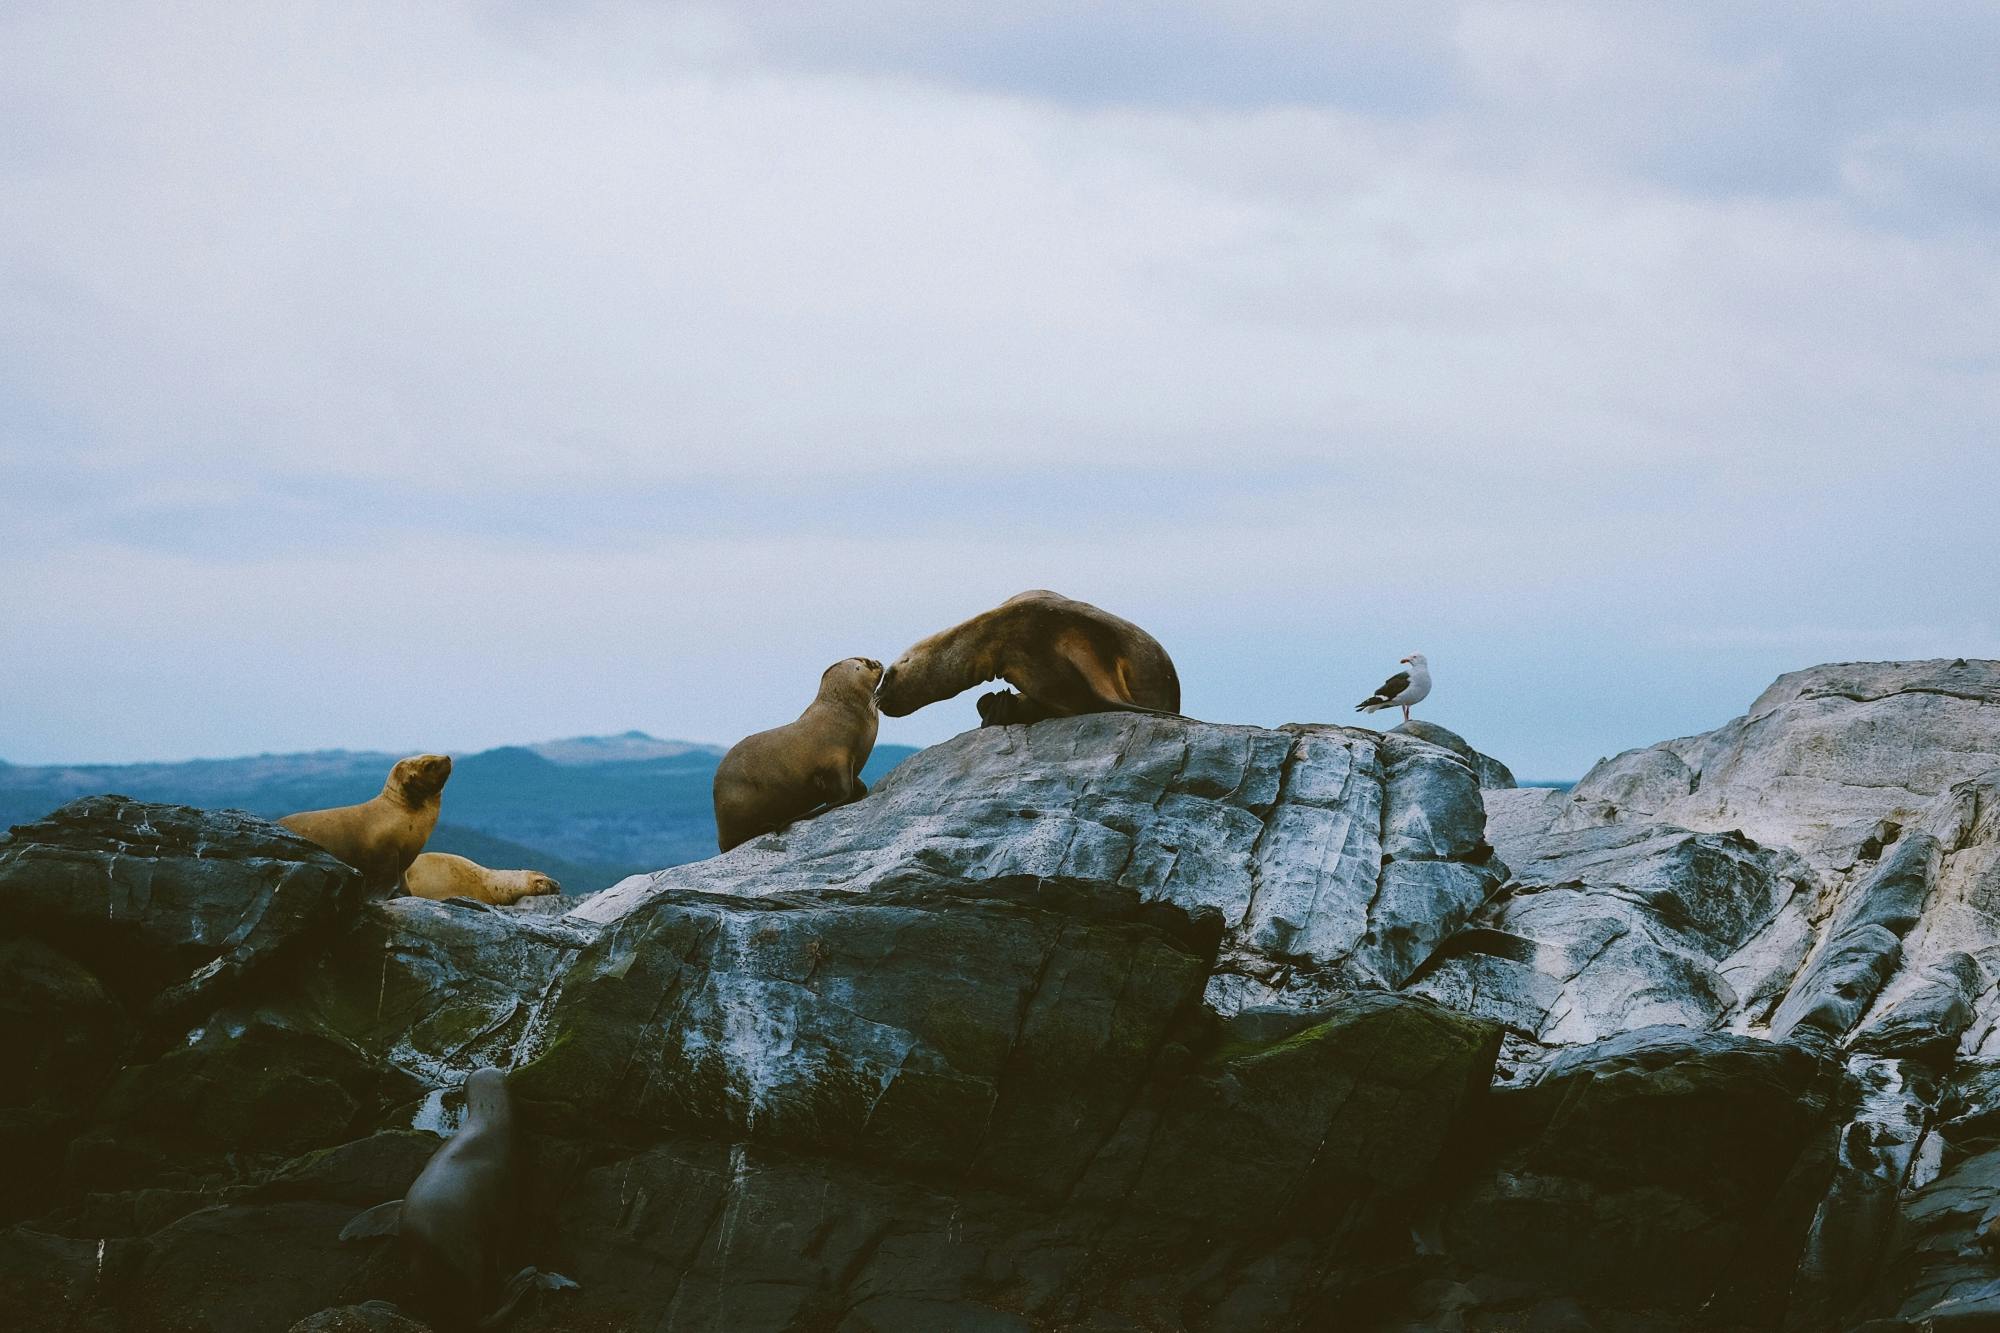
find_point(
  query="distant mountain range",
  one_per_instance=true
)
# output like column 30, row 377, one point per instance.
column 589, row 810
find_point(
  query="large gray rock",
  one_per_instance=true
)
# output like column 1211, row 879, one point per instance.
column 1608, row 930
column 1492, row 774
column 1335, row 856
column 1518, row 817
column 1633, row 786
column 1823, row 757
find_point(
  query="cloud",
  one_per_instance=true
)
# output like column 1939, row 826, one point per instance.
column 1540, row 327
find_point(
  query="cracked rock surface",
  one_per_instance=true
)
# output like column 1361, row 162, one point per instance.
column 1104, row 1023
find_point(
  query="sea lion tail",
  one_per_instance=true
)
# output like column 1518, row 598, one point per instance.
column 384, row 1219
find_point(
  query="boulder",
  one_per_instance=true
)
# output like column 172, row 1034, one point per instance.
column 1335, row 856
column 1821, row 760
column 1611, row 929
column 1661, row 1178
column 169, row 906
column 1492, row 774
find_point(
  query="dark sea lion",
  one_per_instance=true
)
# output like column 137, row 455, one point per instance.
column 1064, row 656
column 380, row 837
column 442, row 875
column 458, row 1217
column 774, row 777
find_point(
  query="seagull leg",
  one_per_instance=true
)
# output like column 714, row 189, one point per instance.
column 1406, row 712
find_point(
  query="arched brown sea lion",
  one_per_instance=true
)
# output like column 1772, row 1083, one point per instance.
column 1064, row 656
column 774, row 777
column 442, row 875
column 380, row 837
column 458, row 1217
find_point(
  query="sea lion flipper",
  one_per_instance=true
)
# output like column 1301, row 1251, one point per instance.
column 1106, row 682
column 384, row 1219
column 518, row 1286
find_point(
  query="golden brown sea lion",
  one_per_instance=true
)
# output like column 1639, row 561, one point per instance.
column 774, row 777
column 1065, row 657
column 382, row 836
column 442, row 875
column 458, row 1219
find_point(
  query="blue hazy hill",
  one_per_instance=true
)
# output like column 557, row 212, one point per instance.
column 588, row 810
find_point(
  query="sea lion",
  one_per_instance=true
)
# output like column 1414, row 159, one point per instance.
column 1064, row 656
column 459, row 1217
column 774, row 777
column 442, row 875
column 380, row 837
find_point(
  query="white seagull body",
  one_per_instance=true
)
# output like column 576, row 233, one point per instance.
column 1402, row 689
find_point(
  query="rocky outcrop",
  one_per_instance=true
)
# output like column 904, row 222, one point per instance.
column 1333, row 856
column 1613, row 929
column 1106, row 1023
column 1822, row 761
column 1491, row 773
column 996, row 1103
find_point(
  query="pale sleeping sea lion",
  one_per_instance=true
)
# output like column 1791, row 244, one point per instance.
column 380, row 837
column 1064, row 656
column 443, row 875
column 459, row 1217
column 774, row 777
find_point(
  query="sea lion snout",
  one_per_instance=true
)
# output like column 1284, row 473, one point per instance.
column 889, row 695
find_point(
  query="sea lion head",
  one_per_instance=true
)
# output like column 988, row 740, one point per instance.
column 538, row 884
column 851, row 677
column 420, row 777
column 900, row 692
column 486, row 1096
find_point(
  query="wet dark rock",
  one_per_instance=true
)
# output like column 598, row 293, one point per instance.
column 368, row 1317
column 1660, row 1170
column 168, row 905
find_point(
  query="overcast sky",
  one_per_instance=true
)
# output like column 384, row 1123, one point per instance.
column 439, row 376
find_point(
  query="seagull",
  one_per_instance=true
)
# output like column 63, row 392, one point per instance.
column 1402, row 689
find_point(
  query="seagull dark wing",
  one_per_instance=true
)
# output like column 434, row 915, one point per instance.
column 1391, row 687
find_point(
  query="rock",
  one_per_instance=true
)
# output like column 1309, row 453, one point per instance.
column 1937, row 1272
column 167, row 905
column 906, row 1026
column 1492, row 774
column 1637, row 784
column 368, row 1317
column 1607, row 930
column 1659, row 1170
column 1225, row 1181
column 1825, row 755
column 64, row 1037
column 1517, row 817
column 1863, row 945
column 1927, row 1012
column 1335, row 856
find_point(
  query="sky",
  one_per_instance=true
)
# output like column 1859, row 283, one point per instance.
column 445, row 376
